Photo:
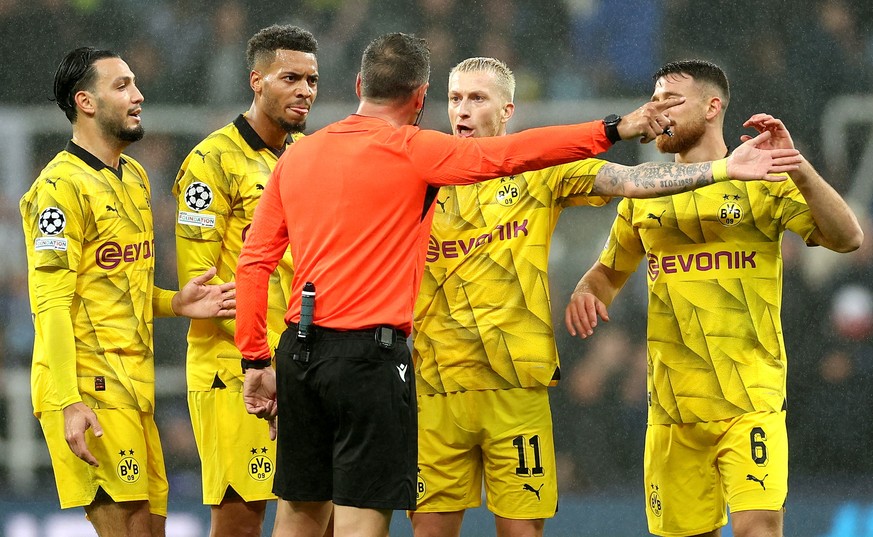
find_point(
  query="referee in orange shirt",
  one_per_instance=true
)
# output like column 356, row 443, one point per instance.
column 355, row 201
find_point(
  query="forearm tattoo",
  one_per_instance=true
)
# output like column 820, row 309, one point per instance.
column 652, row 178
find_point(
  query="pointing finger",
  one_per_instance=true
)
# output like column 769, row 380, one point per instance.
column 668, row 103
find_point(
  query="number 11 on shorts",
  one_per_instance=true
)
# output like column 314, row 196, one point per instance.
column 521, row 446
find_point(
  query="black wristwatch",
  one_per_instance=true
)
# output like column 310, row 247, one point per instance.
column 254, row 364
column 610, row 126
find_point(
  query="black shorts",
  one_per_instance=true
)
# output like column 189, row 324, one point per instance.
column 347, row 421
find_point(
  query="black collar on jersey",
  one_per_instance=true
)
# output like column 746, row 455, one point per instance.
column 253, row 138
column 91, row 160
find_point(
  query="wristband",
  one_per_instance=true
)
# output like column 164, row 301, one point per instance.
column 254, row 364
column 719, row 170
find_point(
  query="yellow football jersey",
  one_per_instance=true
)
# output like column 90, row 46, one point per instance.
column 84, row 217
column 483, row 318
column 714, row 267
column 217, row 189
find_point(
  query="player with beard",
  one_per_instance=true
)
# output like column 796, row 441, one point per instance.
column 90, row 252
column 483, row 330
column 217, row 189
column 716, row 435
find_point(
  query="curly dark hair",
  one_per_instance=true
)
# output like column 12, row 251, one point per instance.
column 264, row 44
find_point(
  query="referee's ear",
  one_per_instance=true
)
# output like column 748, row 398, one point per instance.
column 420, row 94
column 358, row 85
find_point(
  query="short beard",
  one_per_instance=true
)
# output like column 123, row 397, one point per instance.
column 291, row 128
column 684, row 138
column 134, row 134
column 116, row 129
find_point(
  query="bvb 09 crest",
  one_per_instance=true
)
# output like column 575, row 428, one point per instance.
column 730, row 213
column 420, row 487
column 128, row 468
column 655, row 500
column 508, row 193
column 261, row 466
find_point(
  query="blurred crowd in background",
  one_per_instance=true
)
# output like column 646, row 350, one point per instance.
column 784, row 57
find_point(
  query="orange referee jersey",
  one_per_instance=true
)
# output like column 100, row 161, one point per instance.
column 355, row 201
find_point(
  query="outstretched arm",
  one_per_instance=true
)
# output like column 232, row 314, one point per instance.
column 197, row 299
column 753, row 160
column 837, row 227
column 594, row 292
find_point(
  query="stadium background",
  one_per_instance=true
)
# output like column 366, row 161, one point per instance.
column 809, row 62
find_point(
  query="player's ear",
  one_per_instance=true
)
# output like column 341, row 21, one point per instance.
column 255, row 81
column 506, row 113
column 715, row 107
column 86, row 102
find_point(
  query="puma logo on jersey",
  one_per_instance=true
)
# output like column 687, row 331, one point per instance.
column 750, row 477
column 652, row 216
column 259, row 186
column 53, row 183
column 201, row 155
column 401, row 370
column 531, row 489
column 111, row 208
column 442, row 204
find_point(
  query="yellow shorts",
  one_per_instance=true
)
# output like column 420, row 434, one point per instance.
column 694, row 471
column 129, row 453
column 235, row 447
column 505, row 434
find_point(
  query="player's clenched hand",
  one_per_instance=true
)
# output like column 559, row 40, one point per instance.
column 581, row 314
column 780, row 138
column 259, row 392
column 200, row 300
column 648, row 121
column 752, row 160
column 78, row 418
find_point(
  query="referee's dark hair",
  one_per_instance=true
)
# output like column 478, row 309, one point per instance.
column 264, row 44
column 76, row 73
column 701, row 71
column 393, row 66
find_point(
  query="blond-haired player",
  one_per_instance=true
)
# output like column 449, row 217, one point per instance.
column 484, row 346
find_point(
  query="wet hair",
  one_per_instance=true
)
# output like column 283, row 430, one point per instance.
column 77, row 73
column 504, row 76
column 393, row 66
column 701, row 71
column 264, row 44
